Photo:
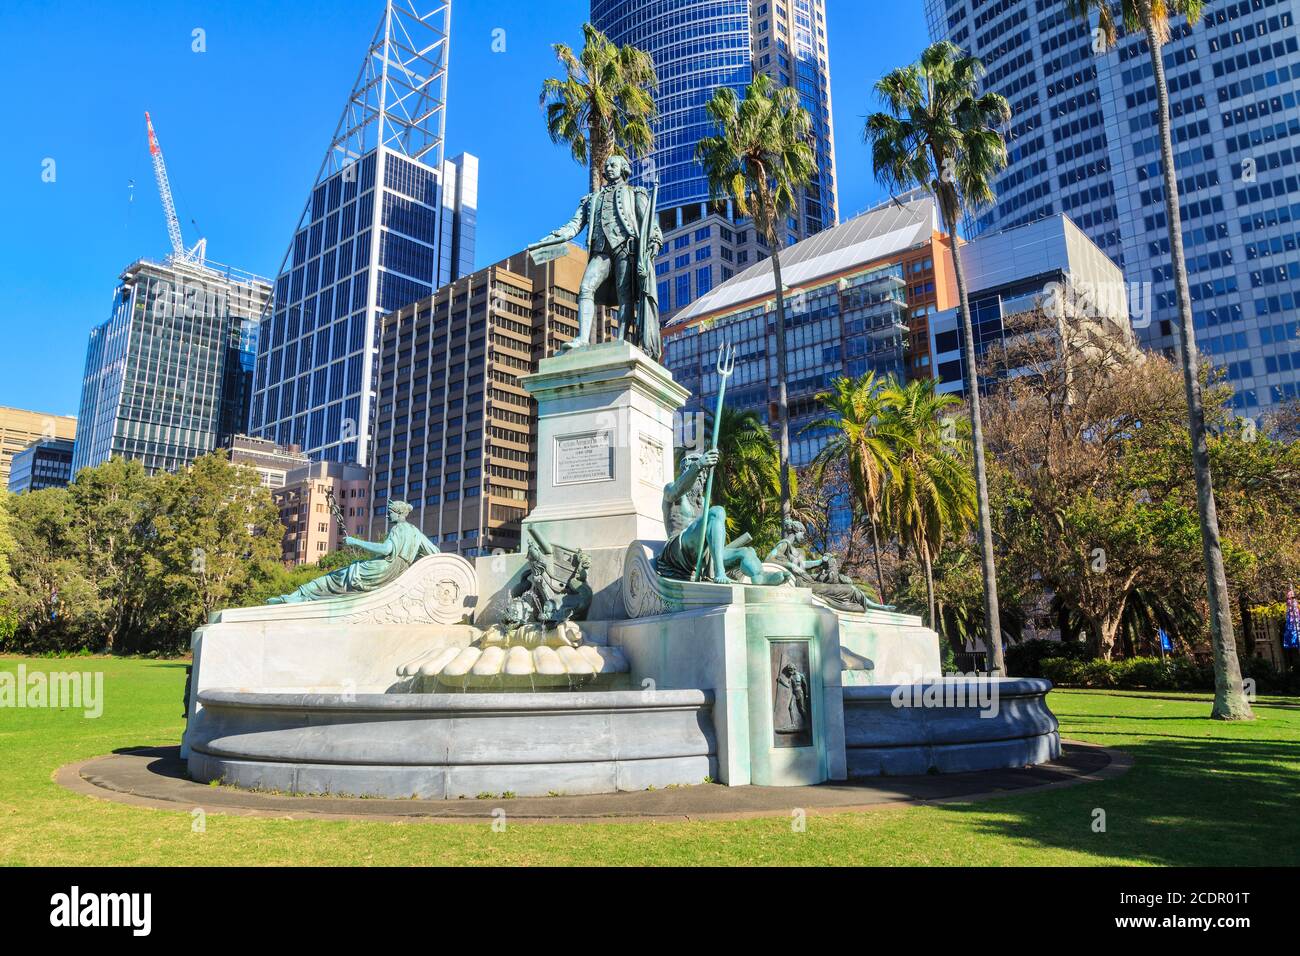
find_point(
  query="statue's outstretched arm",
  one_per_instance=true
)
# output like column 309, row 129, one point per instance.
column 571, row 228
column 383, row 548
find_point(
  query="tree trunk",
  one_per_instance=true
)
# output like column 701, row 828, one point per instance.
column 782, row 404
column 992, row 614
column 875, row 551
column 929, row 585
column 1229, row 697
column 600, row 149
column 1107, row 631
column 1094, row 637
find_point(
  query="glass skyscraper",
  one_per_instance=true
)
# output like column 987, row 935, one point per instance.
column 387, row 223
column 699, row 46
column 1084, row 142
column 168, row 376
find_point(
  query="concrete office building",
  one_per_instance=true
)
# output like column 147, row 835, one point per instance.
column 310, row 530
column 1049, row 264
column 456, row 434
column 272, row 462
column 20, row 427
column 45, row 463
column 1084, row 142
column 860, row 299
column 168, row 376
column 698, row 46
column 388, row 221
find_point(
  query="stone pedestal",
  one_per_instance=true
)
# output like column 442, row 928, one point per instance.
column 604, row 446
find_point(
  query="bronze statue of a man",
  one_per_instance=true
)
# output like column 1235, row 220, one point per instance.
column 623, row 240
column 690, row 528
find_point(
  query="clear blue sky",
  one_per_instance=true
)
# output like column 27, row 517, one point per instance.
column 245, row 124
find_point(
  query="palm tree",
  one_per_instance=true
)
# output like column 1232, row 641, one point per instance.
column 604, row 104
column 856, row 407
column 760, row 158
column 933, row 493
column 940, row 132
column 1151, row 17
column 747, row 479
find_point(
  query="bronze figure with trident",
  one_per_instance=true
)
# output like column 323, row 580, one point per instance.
column 697, row 529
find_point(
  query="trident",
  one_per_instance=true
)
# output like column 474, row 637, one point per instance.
column 336, row 511
column 726, row 365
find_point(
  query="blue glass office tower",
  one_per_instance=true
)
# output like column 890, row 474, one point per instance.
column 698, row 46
column 387, row 223
column 1084, row 142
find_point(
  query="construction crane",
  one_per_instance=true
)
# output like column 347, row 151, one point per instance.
column 197, row 254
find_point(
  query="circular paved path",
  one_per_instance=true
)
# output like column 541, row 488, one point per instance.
column 157, row 778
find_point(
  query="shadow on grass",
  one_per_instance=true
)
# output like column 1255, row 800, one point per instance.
column 1187, row 801
column 1189, row 697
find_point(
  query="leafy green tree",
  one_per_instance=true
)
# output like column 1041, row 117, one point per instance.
column 748, row 479
column 111, row 511
column 53, row 604
column 6, row 542
column 1257, row 488
column 122, row 561
column 870, row 459
column 1091, row 465
column 279, row 580
column 759, row 158
column 1151, row 17
column 216, row 535
column 604, row 105
column 938, row 131
column 931, row 497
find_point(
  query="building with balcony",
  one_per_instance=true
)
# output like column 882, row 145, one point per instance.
column 858, row 298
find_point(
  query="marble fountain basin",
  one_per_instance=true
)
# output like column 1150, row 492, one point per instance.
column 453, row 745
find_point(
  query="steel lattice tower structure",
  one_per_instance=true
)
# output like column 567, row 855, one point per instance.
column 388, row 221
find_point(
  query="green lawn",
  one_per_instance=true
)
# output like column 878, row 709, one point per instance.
column 1201, row 792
